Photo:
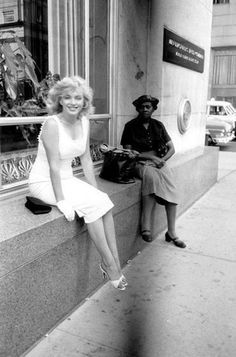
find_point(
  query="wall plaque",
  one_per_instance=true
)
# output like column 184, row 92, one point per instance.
column 184, row 115
column 181, row 52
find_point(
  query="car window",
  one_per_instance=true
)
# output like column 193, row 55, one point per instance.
column 225, row 109
column 232, row 109
column 222, row 111
column 213, row 110
column 217, row 110
column 228, row 110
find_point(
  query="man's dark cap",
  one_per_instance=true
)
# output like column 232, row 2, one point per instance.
column 146, row 98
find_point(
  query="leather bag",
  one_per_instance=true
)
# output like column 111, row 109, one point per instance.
column 118, row 166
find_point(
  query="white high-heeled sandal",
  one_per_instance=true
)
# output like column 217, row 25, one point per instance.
column 125, row 282
column 118, row 284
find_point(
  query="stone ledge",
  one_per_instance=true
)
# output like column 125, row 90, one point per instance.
column 16, row 219
column 23, row 233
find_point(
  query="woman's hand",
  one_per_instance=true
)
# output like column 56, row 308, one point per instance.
column 159, row 163
column 133, row 154
column 66, row 208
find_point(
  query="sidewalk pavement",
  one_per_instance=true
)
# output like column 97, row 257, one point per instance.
column 179, row 302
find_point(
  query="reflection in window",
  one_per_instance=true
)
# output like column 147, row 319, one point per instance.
column 10, row 11
column 23, row 58
column 25, row 137
column 99, row 53
column 36, row 34
column 98, row 131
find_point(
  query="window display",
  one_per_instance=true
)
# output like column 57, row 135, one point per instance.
column 41, row 42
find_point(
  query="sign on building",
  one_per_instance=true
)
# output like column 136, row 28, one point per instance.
column 181, row 52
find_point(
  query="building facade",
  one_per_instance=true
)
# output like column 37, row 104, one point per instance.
column 141, row 67
column 123, row 49
column 222, row 84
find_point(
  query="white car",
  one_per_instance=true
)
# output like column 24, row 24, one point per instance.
column 218, row 132
column 221, row 110
column 220, row 122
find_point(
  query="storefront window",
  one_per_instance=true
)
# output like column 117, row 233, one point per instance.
column 23, row 58
column 42, row 41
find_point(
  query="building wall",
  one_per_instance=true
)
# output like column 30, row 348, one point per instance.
column 224, row 25
column 222, row 80
column 132, row 54
column 170, row 83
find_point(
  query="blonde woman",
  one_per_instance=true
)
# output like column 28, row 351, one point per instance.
column 65, row 135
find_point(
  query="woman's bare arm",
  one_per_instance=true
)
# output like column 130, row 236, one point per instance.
column 50, row 139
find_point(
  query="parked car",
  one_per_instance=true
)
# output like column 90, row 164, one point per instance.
column 221, row 110
column 219, row 132
column 220, row 122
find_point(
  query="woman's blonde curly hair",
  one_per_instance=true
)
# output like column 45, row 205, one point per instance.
column 69, row 83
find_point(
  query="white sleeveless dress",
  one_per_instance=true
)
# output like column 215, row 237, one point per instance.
column 87, row 201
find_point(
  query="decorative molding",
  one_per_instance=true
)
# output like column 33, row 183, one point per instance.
column 16, row 167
